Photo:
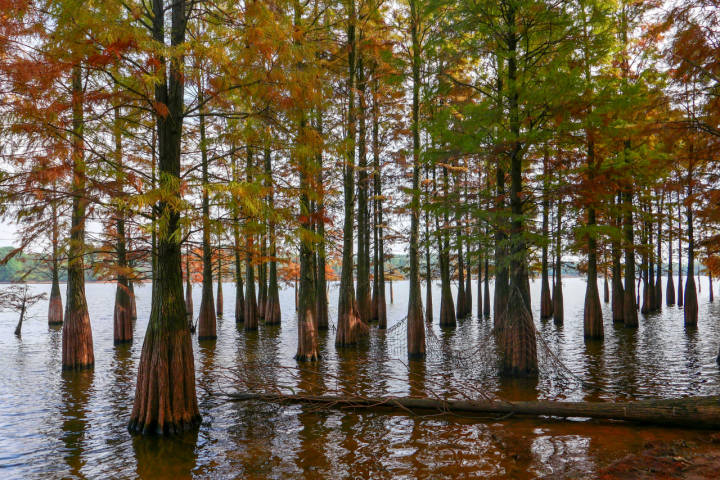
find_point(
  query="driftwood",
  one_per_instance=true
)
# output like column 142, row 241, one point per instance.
column 692, row 412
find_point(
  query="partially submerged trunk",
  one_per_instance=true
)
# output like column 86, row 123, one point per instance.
column 165, row 398
column 629, row 305
column 122, row 313
column 415, row 320
column 307, row 325
column 55, row 311
column 219, row 304
column 188, row 292
column 558, row 303
column 546, row 307
column 206, row 316
column 272, row 307
column 349, row 325
column 251, row 314
column 77, row 342
column 690, row 311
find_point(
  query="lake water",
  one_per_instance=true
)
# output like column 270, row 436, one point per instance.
column 73, row 425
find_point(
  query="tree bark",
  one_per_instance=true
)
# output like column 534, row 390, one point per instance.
column 272, row 309
column 694, row 412
column 77, row 342
column 415, row 320
column 546, row 307
column 206, row 316
column 55, row 310
column 251, row 306
column 165, row 398
column 690, row 310
column 349, row 326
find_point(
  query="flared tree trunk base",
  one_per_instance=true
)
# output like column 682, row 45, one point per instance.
column 592, row 315
column 690, row 309
column 165, row 400
column 207, row 322
column 122, row 317
column 350, row 329
column 517, row 340
column 77, row 341
column 55, row 310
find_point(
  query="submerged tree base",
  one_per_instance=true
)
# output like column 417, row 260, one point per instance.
column 165, row 400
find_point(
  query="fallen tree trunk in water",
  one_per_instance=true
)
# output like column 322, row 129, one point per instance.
column 691, row 412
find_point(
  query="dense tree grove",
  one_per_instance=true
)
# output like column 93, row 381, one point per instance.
column 272, row 141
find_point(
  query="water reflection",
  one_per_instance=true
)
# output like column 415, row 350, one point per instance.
column 173, row 458
column 75, row 387
column 73, row 425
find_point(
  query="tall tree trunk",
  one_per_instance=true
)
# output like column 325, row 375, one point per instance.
column 658, row 260
column 321, row 285
column 55, row 311
column 460, row 308
column 546, row 309
column 239, row 294
column 122, row 314
column 690, row 311
column 206, row 316
column 518, row 343
column 381, row 313
column 447, row 308
column 251, row 306
column 165, row 398
column 710, row 287
column 219, row 304
column 349, row 325
column 558, row 303
column 272, row 309
column 618, row 292
column 363, row 264
column 592, row 314
column 680, row 295
column 307, row 301
column 629, row 305
column 77, row 342
column 670, row 288
column 188, row 289
column 415, row 323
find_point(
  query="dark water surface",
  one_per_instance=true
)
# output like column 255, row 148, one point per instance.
column 73, row 425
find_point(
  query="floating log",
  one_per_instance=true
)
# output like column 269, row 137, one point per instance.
column 691, row 412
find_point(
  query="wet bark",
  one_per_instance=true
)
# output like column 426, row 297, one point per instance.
column 165, row 398
column 670, row 287
column 77, row 342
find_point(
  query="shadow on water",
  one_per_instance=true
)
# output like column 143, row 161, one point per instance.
column 75, row 388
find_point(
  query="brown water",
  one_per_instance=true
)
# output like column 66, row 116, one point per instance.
column 73, row 425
